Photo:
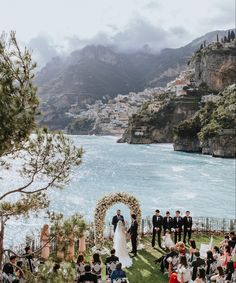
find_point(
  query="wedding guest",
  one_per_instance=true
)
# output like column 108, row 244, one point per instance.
column 82, row 244
column 96, row 266
column 183, row 270
column 112, row 259
column 187, row 222
column 167, row 241
column 180, row 246
column 226, row 256
column 157, row 221
column 197, row 264
column 133, row 231
column 118, row 273
column 71, row 247
column 177, row 225
column 29, row 258
column 80, row 265
column 173, row 278
column 45, row 242
column 201, row 276
column 88, row 276
column 192, row 249
column 216, row 256
column 219, row 277
column 224, row 242
column 210, row 263
column 229, row 270
column 9, row 269
column 116, row 219
column 167, row 222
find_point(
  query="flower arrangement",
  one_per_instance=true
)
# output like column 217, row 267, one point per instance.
column 104, row 204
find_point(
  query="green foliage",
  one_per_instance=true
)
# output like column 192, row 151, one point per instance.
column 74, row 225
column 211, row 118
column 18, row 100
column 46, row 274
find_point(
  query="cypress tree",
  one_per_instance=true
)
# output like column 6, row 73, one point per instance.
column 232, row 35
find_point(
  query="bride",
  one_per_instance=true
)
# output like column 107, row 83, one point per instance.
column 120, row 245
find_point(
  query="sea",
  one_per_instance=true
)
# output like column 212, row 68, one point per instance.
column 158, row 176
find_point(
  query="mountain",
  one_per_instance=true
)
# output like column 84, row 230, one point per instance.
column 102, row 72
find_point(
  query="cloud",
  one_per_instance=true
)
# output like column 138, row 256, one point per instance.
column 152, row 5
column 43, row 49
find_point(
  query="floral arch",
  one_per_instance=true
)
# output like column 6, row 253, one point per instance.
column 108, row 201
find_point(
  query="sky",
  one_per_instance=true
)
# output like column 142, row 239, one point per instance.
column 53, row 27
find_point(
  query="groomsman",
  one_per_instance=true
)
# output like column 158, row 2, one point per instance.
column 133, row 231
column 157, row 221
column 167, row 222
column 177, row 225
column 116, row 219
column 188, row 223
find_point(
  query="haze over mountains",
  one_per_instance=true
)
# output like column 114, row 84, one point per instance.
column 102, row 72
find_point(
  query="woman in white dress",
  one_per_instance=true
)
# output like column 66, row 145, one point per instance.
column 167, row 241
column 120, row 245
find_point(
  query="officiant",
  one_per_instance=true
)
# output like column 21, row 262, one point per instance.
column 116, row 218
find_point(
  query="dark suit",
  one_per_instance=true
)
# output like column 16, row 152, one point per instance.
column 157, row 222
column 167, row 224
column 188, row 223
column 133, row 230
column 177, row 225
column 111, row 259
column 196, row 264
column 116, row 219
column 88, row 277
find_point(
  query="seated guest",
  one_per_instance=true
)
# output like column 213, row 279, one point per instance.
column 111, row 262
column 118, row 273
column 210, row 262
column 9, row 270
column 180, row 246
column 97, row 266
column 201, row 276
column 183, row 270
column 226, row 256
column 229, row 270
column 165, row 260
column 30, row 258
column 167, row 241
column 219, row 277
column 224, row 242
column 216, row 255
column 88, row 276
column 173, row 278
column 192, row 249
column 80, row 265
column 197, row 264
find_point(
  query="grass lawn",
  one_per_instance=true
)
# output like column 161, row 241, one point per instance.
column 144, row 270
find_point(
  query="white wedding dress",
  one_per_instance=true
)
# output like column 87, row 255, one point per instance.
column 120, row 245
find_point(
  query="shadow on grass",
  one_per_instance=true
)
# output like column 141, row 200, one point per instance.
column 145, row 270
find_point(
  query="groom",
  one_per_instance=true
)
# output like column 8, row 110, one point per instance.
column 133, row 231
column 116, row 219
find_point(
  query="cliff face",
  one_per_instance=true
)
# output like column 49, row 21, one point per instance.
column 215, row 65
column 212, row 129
column 155, row 121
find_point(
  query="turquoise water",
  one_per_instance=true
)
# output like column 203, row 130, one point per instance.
column 158, row 176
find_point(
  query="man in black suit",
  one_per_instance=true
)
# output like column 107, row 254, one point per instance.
column 177, row 225
column 157, row 221
column 116, row 219
column 111, row 259
column 196, row 264
column 88, row 276
column 188, row 223
column 133, row 231
column 167, row 222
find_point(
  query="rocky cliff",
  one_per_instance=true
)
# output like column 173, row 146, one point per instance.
column 155, row 121
column 212, row 129
column 215, row 65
